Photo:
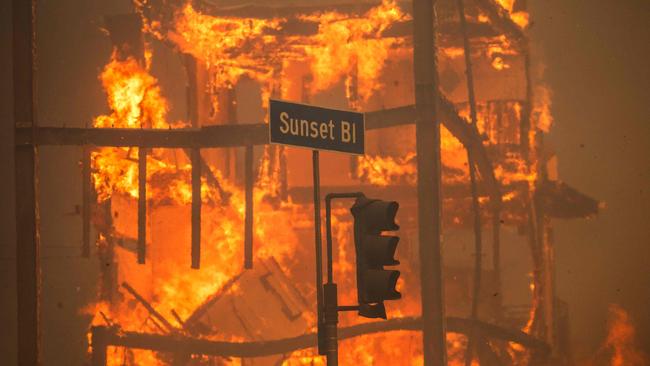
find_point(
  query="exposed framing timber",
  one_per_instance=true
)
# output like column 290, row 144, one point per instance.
column 501, row 20
column 105, row 336
column 476, row 208
column 142, row 205
column 248, row 229
column 196, row 208
column 205, row 137
column 86, row 202
column 257, row 134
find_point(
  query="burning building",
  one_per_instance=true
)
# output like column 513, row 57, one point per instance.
column 203, row 230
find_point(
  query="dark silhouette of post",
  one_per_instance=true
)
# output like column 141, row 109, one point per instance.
column 195, row 157
column 429, row 200
column 142, row 205
column 28, row 270
column 248, row 217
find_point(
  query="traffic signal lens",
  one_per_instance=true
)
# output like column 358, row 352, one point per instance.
column 380, row 250
column 373, row 310
column 374, row 251
column 380, row 215
column 380, row 285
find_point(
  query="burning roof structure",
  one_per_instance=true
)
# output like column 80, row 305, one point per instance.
column 203, row 229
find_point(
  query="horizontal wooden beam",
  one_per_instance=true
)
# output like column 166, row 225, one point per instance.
column 240, row 135
column 206, row 137
column 173, row 344
column 227, row 135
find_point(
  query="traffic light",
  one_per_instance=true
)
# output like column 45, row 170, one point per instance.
column 374, row 251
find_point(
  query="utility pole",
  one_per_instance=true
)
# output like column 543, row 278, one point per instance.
column 429, row 199
column 28, row 270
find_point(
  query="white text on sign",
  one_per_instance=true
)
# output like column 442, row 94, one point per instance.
column 317, row 129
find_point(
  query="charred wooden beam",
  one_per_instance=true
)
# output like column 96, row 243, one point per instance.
column 500, row 19
column 458, row 126
column 268, row 12
column 193, row 117
column 476, row 209
column 253, row 134
column 191, row 89
column 302, row 195
column 103, row 222
column 164, row 343
column 559, row 200
column 86, row 202
column 205, row 137
column 196, row 208
column 470, row 138
column 390, row 117
column 178, row 318
column 152, row 311
column 526, row 114
column 248, row 230
column 28, row 268
column 142, row 205
column 99, row 343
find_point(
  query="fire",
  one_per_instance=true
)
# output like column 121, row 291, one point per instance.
column 384, row 171
column 521, row 18
column 387, row 170
column 345, row 48
column 347, row 44
column 133, row 96
column 497, row 50
column 136, row 101
column 621, row 340
column 232, row 46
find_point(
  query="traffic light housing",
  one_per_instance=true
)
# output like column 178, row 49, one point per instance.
column 374, row 251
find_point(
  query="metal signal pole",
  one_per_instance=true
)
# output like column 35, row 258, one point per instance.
column 429, row 199
column 322, row 345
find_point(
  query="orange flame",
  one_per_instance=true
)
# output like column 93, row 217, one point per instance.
column 521, row 18
column 621, row 339
column 346, row 44
column 230, row 48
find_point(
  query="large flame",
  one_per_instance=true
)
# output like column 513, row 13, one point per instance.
column 135, row 100
column 347, row 45
column 345, row 48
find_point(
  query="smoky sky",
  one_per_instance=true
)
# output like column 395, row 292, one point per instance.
column 596, row 53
